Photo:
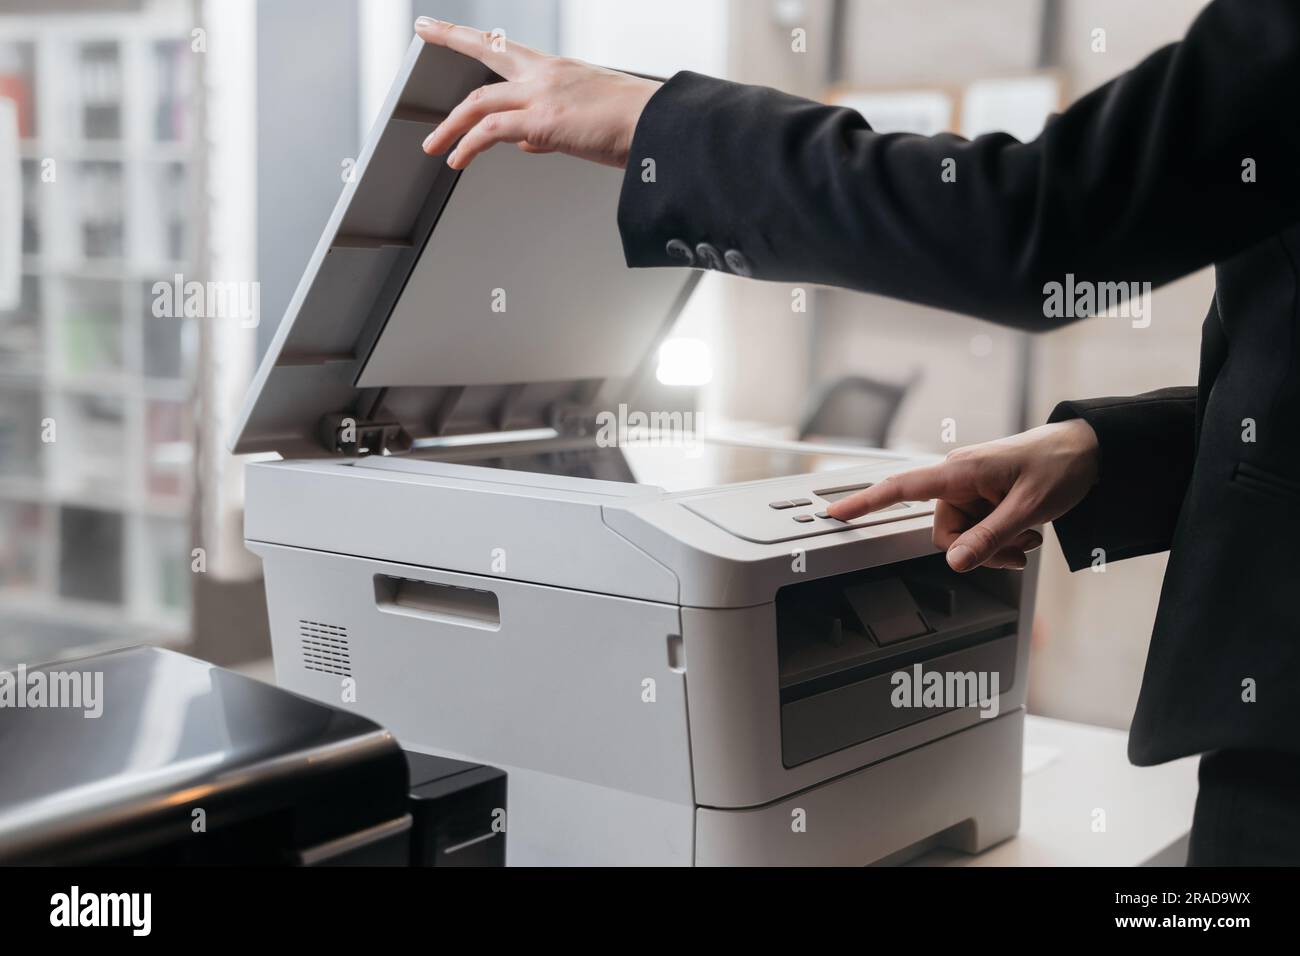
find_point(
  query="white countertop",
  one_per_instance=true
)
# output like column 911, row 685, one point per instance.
column 1072, row 771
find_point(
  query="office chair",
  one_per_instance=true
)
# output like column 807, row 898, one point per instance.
column 855, row 409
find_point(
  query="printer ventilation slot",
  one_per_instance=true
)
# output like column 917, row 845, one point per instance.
column 325, row 648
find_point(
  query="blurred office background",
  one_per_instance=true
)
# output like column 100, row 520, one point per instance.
column 145, row 139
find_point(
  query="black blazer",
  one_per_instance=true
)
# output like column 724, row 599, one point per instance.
column 1143, row 180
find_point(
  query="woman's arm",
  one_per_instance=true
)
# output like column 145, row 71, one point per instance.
column 1140, row 181
column 1110, row 473
column 1147, row 445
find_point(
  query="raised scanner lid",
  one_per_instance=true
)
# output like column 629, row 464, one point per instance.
column 443, row 303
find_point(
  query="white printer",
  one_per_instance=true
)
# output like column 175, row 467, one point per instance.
column 675, row 657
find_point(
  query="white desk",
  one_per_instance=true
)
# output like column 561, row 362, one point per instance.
column 1073, row 770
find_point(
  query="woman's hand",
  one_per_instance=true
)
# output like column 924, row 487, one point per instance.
column 547, row 104
column 992, row 496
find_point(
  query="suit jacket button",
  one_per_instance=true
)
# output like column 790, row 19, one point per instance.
column 680, row 250
column 709, row 256
column 738, row 264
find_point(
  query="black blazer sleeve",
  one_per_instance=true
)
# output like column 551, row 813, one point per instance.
column 1140, row 180
column 1148, row 444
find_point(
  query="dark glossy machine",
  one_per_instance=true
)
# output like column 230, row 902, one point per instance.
column 155, row 757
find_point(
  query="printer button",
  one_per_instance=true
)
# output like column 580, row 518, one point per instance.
column 804, row 519
column 677, row 249
column 801, row 502
column 781, row 505
column 738, row 264
column 709, row 256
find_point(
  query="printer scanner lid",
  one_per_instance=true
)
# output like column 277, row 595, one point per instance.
column 440, row 303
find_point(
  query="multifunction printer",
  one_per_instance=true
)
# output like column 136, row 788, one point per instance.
column 662, row 638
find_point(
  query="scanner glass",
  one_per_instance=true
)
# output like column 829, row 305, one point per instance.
column 680, row 467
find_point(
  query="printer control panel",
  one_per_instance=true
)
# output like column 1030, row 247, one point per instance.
column 785, row 511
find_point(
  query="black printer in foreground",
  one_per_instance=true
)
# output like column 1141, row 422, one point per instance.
column 145, row 756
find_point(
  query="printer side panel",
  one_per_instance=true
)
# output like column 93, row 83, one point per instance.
column 580, row 697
